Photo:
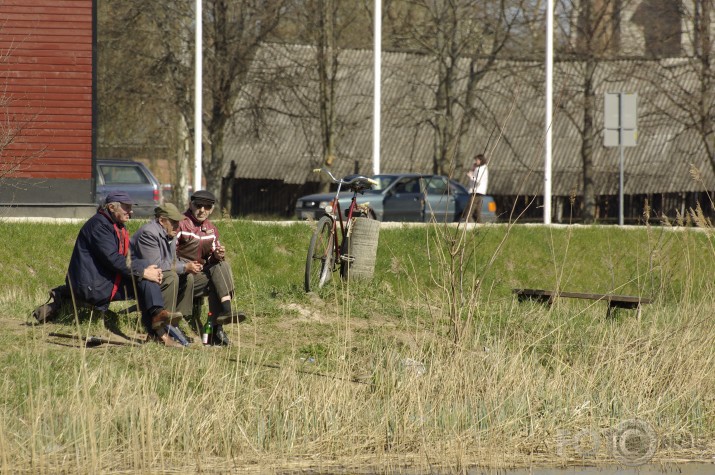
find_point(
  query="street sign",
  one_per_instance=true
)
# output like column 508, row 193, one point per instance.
column 620, row 126
column 620, row 129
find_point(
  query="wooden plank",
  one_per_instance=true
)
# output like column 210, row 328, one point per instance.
column 41, row 18
column 59, row 3
column 612, row 299
column 17, row 47
column 30, row 47
column 45, row 9
column 59, row 81
column 12, row 89
column 59, row 28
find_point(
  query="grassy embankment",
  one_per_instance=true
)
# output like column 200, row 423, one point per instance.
column 431, row 362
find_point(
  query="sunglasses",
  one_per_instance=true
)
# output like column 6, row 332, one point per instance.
column 204, row 205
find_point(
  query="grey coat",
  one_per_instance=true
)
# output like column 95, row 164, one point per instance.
column 151, row 244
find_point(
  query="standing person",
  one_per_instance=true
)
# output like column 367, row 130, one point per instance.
column 154, row 243
column 477, row 177
column 101, row 270
column 198, row 240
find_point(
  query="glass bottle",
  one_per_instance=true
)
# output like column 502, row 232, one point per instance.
column 208, row 330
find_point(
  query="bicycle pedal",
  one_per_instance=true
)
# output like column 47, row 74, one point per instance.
column 347, row 258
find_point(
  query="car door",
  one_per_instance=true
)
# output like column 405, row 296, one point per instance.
column 440, row 203
column 403, row 200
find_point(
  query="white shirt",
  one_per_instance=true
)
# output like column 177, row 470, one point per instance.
column 478, row 179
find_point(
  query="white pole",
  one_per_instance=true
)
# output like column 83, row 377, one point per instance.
column 198, row 106
column 377, row 91
column 549, row 107
column 620, row 166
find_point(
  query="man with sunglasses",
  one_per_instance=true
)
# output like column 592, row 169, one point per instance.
column 198, row 240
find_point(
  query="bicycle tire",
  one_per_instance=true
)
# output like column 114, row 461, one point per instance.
column 319, row 263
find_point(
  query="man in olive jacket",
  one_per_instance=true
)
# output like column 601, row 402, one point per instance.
column 154, row 243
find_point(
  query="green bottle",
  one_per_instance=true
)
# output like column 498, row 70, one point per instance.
column 208, row 330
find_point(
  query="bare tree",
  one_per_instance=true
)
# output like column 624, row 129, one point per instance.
column 590, row 33
column 158, row 35
column 464, row 39
column 687, row 84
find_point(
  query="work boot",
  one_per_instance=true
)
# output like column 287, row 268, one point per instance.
column 160, row 319
column 232, row 317
column 219, row 337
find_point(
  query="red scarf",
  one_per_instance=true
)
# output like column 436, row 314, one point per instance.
column 123, row 238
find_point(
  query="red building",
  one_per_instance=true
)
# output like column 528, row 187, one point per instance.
column 47, row 104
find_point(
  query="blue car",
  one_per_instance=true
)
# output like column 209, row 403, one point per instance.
column 132, row 177
column 404, row 197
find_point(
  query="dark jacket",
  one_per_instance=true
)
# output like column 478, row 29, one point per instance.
column 96, row 263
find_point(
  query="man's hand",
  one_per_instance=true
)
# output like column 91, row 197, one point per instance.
column 193, row 267
column 220, row 253
column 153, row 274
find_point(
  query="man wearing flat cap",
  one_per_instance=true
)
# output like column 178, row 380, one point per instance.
column 198, row 240
column 154, row 242
column 101, row 269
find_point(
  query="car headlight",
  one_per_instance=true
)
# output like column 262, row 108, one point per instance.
column 323, row 204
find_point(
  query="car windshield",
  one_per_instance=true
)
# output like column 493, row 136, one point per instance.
column 383, row 181
column 123, row 175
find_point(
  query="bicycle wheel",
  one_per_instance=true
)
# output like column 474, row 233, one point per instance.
column 319, row 264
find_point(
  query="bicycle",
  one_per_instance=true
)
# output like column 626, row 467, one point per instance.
column 328, row 247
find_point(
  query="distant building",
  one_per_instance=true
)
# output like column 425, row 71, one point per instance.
column 47, row 79
column 273, row 166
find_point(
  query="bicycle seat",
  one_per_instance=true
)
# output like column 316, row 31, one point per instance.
column 357, row 183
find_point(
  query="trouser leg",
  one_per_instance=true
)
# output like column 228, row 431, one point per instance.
column 221, row 279
column 169, row 289
column 478, row 199
column 201, row 286
column 468, row 211
column 185, row 295
column 150, row 301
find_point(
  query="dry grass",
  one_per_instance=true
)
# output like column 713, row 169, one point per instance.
column 506, row 400
column 333, row 382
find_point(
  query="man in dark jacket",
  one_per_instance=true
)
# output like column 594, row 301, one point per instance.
column 101, row 271
column 198, row 240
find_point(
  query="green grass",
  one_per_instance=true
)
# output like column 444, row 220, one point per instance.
column 371, row 374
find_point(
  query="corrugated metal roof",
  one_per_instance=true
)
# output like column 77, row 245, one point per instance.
column 286, row 145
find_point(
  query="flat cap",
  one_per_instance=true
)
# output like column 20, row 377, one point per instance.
column 168, row 210
column 203, row 195
column 119, row 197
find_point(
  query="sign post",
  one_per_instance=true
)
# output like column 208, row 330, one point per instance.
column 620, row 129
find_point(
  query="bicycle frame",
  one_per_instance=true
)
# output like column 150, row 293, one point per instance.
column 326, row 251
column 337, row 217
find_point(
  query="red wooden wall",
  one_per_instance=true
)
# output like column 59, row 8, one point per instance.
column 46, row 88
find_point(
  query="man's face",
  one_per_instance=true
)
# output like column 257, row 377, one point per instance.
column 201, row 209
column 121, row 212
column 170, row 226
